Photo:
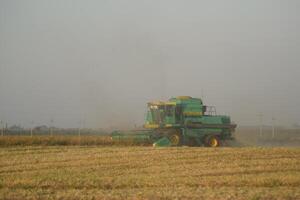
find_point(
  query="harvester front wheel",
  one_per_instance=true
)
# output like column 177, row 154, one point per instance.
column 212, row 141
column 175, row 138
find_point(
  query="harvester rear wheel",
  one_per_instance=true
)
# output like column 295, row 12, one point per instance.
column 212, row 141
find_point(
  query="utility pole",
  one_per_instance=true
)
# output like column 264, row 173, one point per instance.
column 2, row 128
column 51, row 125
column 79, row 131
column 273, row 127
column 260, row 115
column 79, row 128
column 31, row 129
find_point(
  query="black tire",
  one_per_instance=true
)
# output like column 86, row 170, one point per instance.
column 175, row 137
column 212, row 141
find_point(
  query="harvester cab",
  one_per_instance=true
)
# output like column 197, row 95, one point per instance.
column 160, row 114
column 182, row 121
column 175, row 112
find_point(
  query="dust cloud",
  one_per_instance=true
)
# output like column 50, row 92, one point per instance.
column 252, row 137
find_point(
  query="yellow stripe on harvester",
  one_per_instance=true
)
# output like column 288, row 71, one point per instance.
column 184, row 97
column 161, row 103
column 168, row 125
column 151, row 126
column 157, row 103
column 170, row 103
column 192, row 113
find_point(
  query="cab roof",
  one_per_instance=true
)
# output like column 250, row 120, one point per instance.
column 177, row 100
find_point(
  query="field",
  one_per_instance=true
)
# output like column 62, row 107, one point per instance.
column 115, row 172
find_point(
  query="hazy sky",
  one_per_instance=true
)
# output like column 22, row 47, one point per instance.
column 103, row 60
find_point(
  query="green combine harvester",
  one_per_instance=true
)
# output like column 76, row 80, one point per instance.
column 180, row 121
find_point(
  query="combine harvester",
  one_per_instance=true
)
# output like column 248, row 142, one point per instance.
column 181, row 121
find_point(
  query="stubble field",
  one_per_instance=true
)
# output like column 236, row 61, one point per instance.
column 90, row 172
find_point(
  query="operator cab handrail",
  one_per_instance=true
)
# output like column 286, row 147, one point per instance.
column 210, row 110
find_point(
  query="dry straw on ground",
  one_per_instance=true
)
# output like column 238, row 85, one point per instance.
column 87, row 172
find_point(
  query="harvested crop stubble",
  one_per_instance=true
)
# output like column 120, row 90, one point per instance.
column 78, row 172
